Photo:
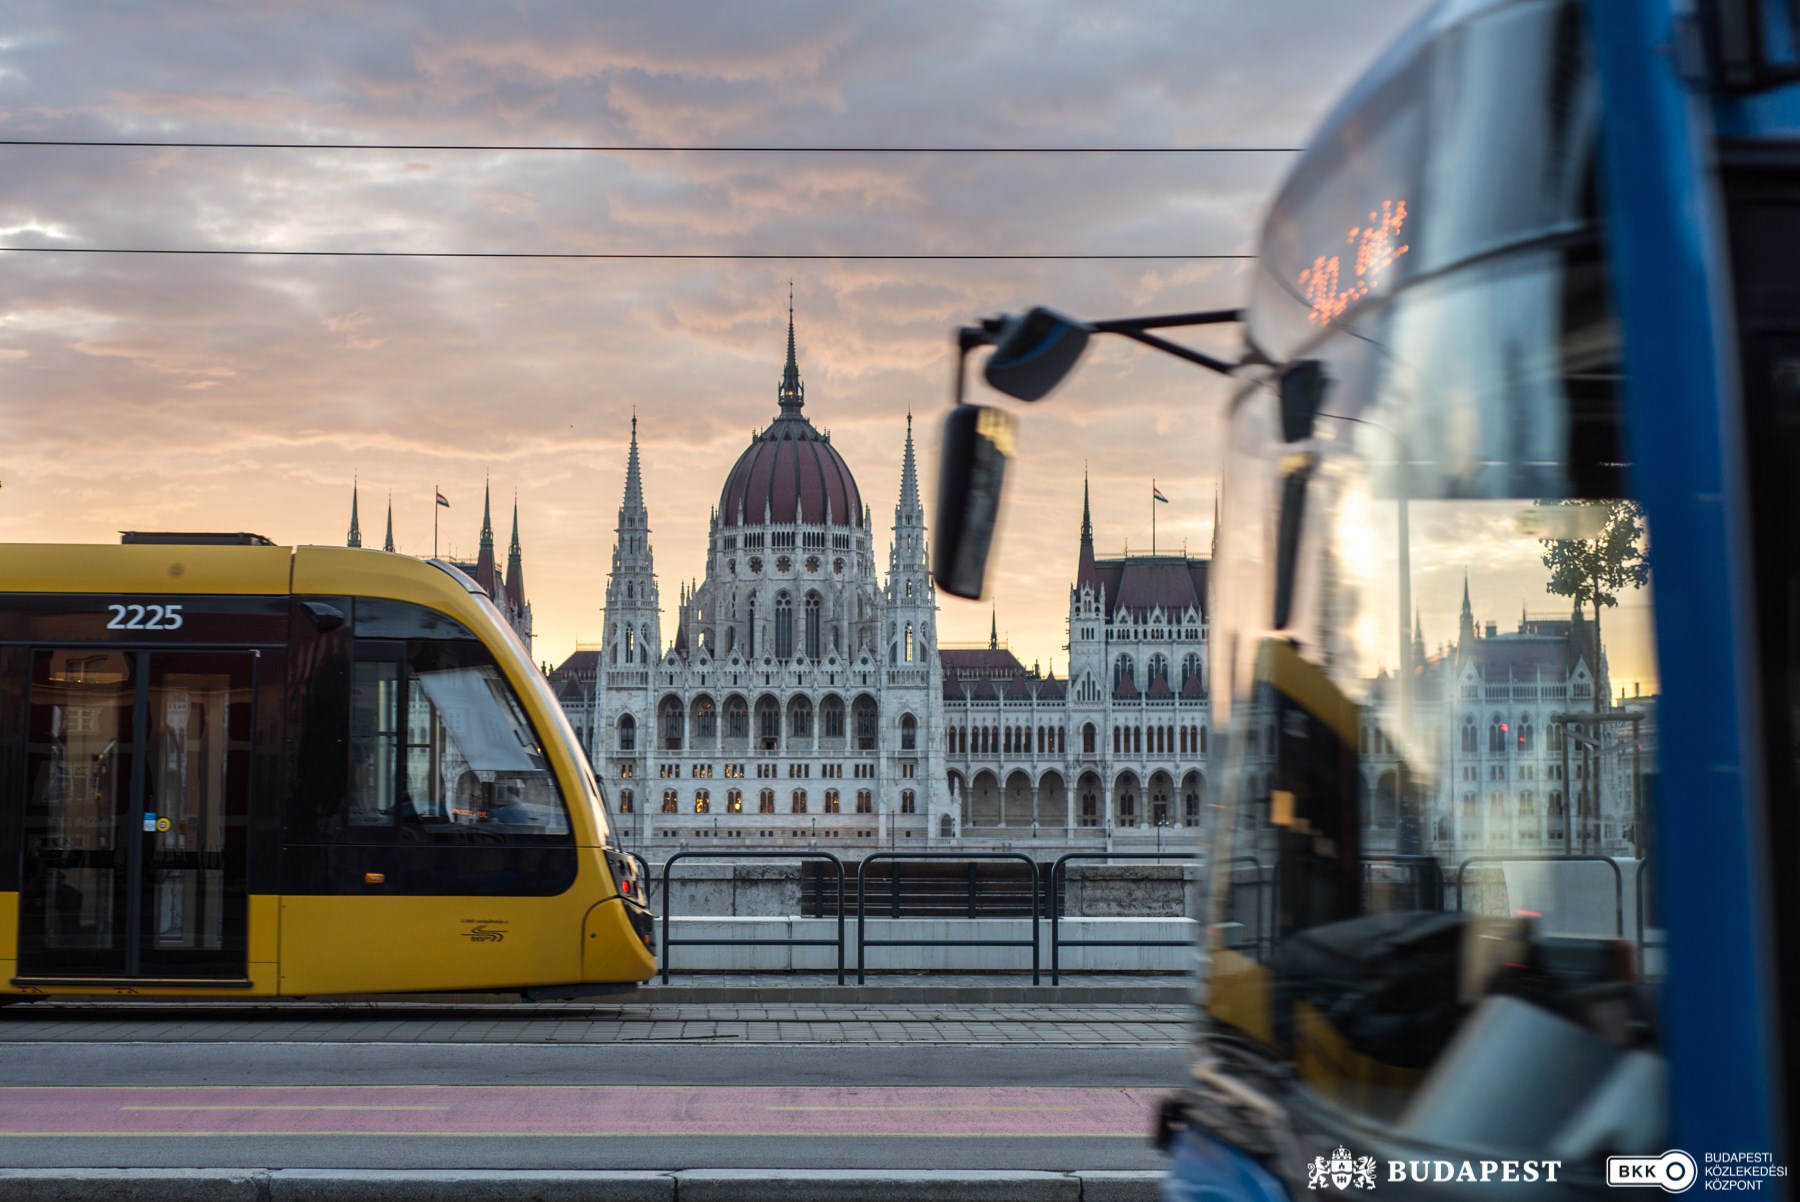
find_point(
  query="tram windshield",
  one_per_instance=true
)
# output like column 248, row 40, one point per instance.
column 1433, row 626
column 440, row 745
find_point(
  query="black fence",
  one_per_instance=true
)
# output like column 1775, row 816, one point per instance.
column 923, row 885
column 838, row 942
column 863, row 941
column 1057, row 943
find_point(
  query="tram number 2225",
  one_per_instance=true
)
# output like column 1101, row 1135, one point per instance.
column 145, row 617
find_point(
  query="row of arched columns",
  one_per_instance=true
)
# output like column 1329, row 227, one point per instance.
column 1157, row 798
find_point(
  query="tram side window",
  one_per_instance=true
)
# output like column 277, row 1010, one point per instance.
column 441, row 749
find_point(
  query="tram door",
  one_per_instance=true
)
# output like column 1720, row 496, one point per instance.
column 138, row 769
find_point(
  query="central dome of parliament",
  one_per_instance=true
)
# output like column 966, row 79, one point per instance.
column 790, row 473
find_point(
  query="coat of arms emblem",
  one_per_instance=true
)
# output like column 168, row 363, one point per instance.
column 1341, row 1171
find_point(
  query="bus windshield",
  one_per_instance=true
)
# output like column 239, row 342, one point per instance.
column 1439, row 685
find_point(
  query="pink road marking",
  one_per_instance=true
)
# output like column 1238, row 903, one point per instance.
column 579, row 1110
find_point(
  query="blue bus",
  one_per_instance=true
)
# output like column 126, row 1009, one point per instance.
column 1510, row 907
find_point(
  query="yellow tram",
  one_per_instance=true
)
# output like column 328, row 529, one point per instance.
column 235, row 769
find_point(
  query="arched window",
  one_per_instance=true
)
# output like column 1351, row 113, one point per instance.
column 831, row 801
column 908, row 801
column 798, row 803
column 734, row 801
column 1190, row 668
column 862, row 717
column 784, row 626
column 1159, row 670
column 706, row 718
column 768, row 723
column 1127, row 805
column 865, row 801
column 1087, row 738
column 1117, row 735
column 946, row 827
column 627, row 733
column 630, row 644
column 1526, row 732
column 670, row 716
column 831, row 717
column 765, row 802
column 909, row 732
column 737, row 718
column 671, row 802
column 813, row 643
column 1468, row 734
column 800, row 718
column 626, row 801
column 911, row 650
column 703, row 801
column 1496, row 734
column 1121, row 670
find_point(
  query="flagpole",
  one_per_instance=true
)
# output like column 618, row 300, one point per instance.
column 435, row 494
column 1153, row 515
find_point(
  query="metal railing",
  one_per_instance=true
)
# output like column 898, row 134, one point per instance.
column 1618, row 877
column 863, row 941
column 1057, row 943
column 669, row 896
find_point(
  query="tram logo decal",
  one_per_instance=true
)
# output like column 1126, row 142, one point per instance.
column 1376, row 244
column 1341, row 1170
column 484, row 930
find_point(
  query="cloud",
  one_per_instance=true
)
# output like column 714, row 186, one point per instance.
column 245, row 392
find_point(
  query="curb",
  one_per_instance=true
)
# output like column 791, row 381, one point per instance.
column 477, row 1185
column 1174, row 994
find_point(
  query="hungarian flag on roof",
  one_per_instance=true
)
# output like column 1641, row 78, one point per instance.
column 1157, row 493
column 444, row 501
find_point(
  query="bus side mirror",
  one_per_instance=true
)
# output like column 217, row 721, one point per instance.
column 978, row 442
column 1033, row 353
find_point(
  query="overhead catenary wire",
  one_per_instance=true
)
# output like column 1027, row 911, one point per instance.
column 717, row 256
column 576, row 148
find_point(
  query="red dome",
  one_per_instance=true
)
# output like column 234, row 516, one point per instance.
column 792, row 473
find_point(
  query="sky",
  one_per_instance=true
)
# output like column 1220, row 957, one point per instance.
column 231, row 392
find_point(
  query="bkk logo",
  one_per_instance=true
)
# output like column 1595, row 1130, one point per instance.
column 1343, row 1169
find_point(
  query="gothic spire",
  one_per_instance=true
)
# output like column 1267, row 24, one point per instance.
column 355, row 537
column 1466, row 631
column 515, row 564
column 909, row 474
column 387, row 544
column 485, row 573
column 634, row 480
column 994, row 630
column 1085, row 572
column 792, row 394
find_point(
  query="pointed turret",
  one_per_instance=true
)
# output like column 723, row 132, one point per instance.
column 387, row 544
column 485, row 573
column 515, row 566
column 792, row 393
column 1466, row 630
column 634, row 481
column 909, row 477
column 354, row 538
column 994, row 629
column 1418, row 641
column 632, row 626
column 1085, row 573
